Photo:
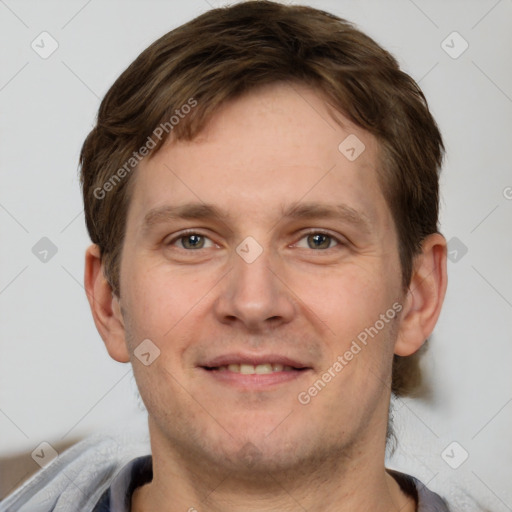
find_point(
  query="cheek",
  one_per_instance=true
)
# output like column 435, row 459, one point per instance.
column 166, row 305
column 345, row 300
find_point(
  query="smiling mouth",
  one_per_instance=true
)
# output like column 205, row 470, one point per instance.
column 250, row 369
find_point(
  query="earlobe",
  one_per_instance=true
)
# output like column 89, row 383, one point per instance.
column 105, row 306
column 425, row 297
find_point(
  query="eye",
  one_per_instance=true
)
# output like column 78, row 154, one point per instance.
column 318, row 240
column 191, row 241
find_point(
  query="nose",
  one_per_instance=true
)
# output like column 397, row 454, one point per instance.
column 254, row 294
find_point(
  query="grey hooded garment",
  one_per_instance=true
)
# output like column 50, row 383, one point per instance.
column 78, row 478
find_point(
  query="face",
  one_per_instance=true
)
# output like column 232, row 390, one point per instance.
column 262, row 264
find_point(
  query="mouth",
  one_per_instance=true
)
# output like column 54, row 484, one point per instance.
column 254, row 372
column 251, row 369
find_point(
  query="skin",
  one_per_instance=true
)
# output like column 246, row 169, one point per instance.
column 236, row 446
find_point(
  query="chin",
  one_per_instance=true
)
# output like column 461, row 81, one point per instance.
column 252, row 452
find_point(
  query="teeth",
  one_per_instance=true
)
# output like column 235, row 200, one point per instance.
column 260, row 369
column 247, row 369
column 264, row 368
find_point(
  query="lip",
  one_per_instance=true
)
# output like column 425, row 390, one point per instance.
column 254, row 359
column 254, row 382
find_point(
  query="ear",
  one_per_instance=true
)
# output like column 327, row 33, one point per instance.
column 423, row 302
column 105, row 306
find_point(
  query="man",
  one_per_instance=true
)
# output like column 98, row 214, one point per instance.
column 261, row 189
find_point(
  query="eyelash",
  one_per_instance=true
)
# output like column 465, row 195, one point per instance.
column 185, row 234
column 339, row 242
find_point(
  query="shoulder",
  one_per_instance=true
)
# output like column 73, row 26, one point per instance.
column 118, row 496
column 78, row 477
column 427, row 500
column 455, row 496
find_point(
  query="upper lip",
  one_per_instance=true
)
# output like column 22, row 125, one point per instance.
column 254, row 359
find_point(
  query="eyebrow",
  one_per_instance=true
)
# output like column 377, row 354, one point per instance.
column 189, row 211
column 295, row 211
column 342, row 212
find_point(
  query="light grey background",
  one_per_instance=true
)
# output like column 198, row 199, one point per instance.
column 56, row 379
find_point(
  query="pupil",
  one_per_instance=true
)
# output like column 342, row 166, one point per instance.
column 319, row 240
column 193, row 241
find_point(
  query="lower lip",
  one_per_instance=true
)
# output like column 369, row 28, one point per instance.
column 255, row 380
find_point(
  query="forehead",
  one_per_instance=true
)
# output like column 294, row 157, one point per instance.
column 274, row 146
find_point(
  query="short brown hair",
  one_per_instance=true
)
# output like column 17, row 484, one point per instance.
column 227, row 52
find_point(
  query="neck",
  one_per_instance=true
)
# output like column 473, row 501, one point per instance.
column 353, row 480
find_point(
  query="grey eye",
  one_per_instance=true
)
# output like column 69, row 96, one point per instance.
column 319, row 241
column 192, row 241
